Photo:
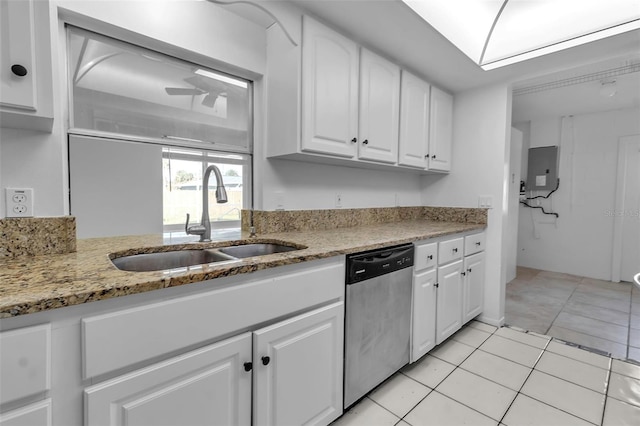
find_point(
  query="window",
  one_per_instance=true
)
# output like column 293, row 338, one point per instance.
column 195, row 116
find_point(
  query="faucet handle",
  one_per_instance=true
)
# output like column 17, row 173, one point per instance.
column 193, row 230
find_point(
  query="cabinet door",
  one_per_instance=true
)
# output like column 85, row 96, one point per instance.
column 423, row 326
column 34, row 414
column 17, row 30
column 207, row 386
column 414, row 122
column 329, row 91
column 298, row 369
column 440, row 130
column 449, row 312
column 473, row 289
column 379, row 108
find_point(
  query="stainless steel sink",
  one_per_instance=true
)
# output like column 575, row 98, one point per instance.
column 169, row 260
column 146, row 262
column 259, row 249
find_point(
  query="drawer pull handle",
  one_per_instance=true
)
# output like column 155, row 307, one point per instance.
column 265, row 360
column 248, row 366
column 19, row 70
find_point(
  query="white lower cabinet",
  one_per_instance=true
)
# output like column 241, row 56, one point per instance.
column 423, row 337
column 449, row 306
column 298, row 369
column 207, row 386
column 295, row 366
column 473, row 287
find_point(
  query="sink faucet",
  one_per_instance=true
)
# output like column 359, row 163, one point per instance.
column 204, row 228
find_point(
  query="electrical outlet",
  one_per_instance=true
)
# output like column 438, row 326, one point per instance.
column 338, row 200
column 19, row 202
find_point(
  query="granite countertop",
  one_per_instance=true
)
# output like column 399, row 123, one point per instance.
column 37, row 283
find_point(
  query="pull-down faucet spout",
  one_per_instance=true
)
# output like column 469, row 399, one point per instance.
column 204, row 228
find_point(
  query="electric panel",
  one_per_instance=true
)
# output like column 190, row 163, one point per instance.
column 542, row 172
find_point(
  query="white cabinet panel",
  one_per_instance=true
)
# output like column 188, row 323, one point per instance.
column 440, row 130
column 426, row 256
column 298, row 369
column 25, row 362
column 414, row 122
column 208, row 386
column 26, row 96
column 38, row 414
column 329, row 91
column 474, row 243
column 473, row 289
column 450, row 250
column 449, row 309
column 379, row 108
column 423, row 335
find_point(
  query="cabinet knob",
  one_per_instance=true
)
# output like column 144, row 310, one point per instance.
column 463, row 273
column 426, row 156
column 354, row 140
column 455, row 250
column 365, row 142
column 18, row 70
column 265, row 360
column 436, row 285
column 430, row 257
column 433, row 156
column 478, row 243
column 468, row 269
column 248, row 366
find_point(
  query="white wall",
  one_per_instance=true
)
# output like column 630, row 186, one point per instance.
column 194, row 30
column 580, row 241
column 480, row 165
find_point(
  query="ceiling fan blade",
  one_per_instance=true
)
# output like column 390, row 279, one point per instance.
column 201, row 83
column 210, row 100
column 183, row 91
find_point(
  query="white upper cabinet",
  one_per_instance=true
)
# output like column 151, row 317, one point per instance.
column 414, row 122
column 441, row 130
column 25, row 65
column 329, row 100
column 329, row 91
column 379, row 108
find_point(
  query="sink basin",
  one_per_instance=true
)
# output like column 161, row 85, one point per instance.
column 169, row 260
column 260, row 249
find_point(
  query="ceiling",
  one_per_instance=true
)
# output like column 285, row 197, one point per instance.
column 392, row 29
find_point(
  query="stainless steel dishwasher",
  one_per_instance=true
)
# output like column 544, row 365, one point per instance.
column 377, row 317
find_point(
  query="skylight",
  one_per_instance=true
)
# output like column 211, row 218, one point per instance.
column 495, row 33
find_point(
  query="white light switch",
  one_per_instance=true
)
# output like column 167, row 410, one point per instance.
column 485, row 202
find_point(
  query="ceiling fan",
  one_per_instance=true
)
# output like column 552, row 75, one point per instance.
column 201, row 86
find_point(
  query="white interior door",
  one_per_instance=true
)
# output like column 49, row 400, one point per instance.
column 627, row 212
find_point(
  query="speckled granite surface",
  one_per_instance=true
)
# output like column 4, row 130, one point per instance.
column 33, row 284
column 305, row 220
column 33, row 236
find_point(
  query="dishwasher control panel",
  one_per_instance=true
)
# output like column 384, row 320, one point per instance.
column 373, row 263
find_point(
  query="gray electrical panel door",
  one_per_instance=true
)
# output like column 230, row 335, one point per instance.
column 542, row 174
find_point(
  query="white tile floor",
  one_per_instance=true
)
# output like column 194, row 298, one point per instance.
column 602, row 315
column 487, row 376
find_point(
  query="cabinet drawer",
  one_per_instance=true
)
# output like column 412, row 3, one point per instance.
column 426, row 256
column 450, row 250
column 25, row 362
column 474, row 243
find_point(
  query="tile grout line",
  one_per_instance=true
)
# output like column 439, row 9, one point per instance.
column 606, row 391
column 525, row 381
column 445, row 378
column 562, row 308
